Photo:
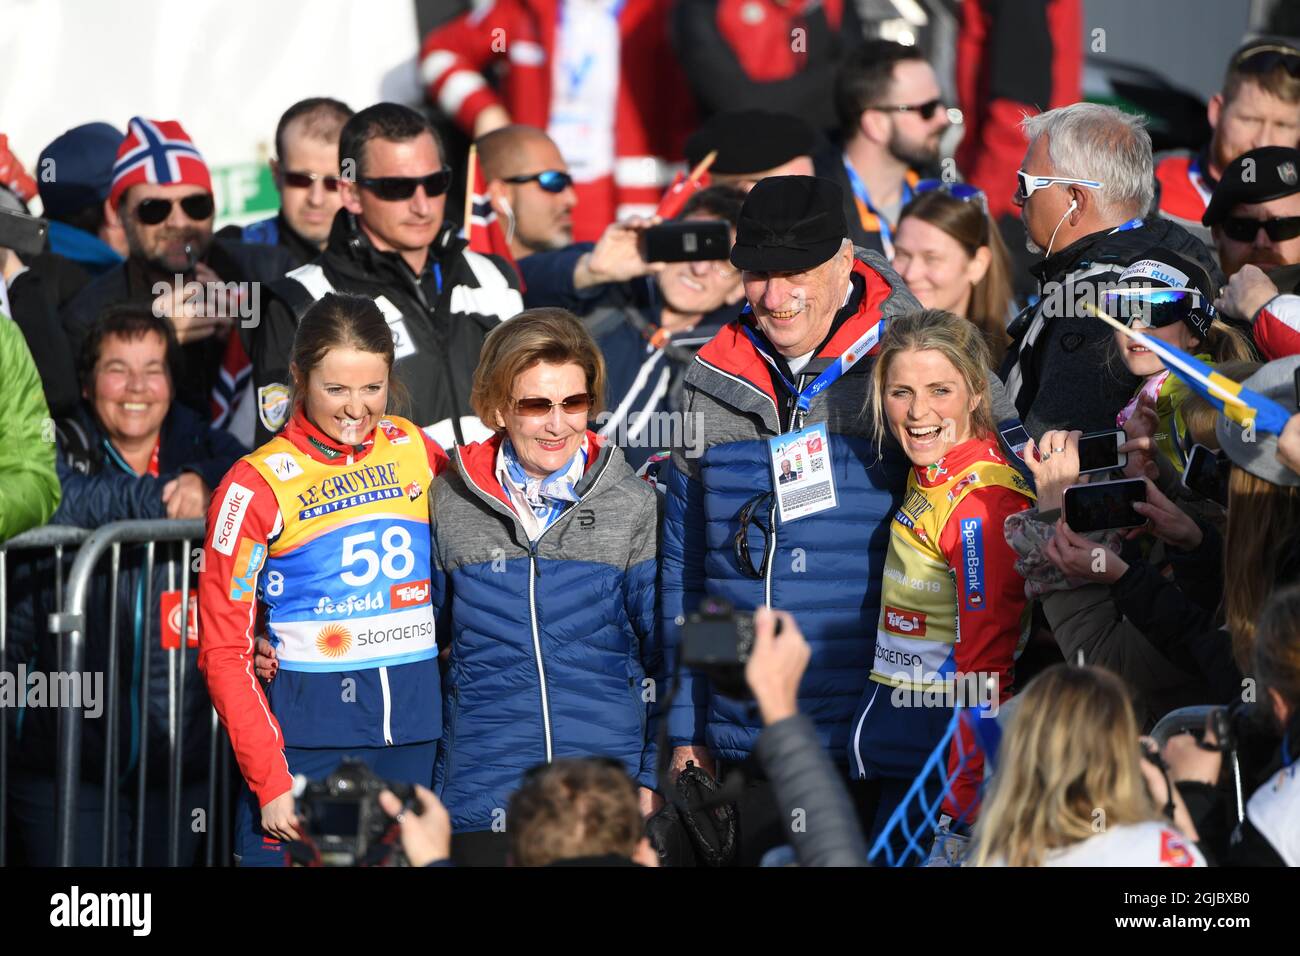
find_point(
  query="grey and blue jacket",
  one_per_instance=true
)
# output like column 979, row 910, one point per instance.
column 553, row 641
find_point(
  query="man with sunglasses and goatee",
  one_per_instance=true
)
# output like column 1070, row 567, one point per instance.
column 530, row 188
column 892, row 116
column 1258, row 106
column 306, row 173
column 392, row 242
column 1254, row 216
column 161, row 197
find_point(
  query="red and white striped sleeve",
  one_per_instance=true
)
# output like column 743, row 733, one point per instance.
column 453, row 57
column 242, row 519
column 1277, row 327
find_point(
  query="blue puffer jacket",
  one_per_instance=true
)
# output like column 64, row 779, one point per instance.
column 553, row 649
column 826, row 568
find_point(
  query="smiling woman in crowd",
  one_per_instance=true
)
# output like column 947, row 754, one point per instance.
column 949, row 572
column 544, row 553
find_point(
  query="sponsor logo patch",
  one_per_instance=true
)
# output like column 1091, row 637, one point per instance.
column 395, row 435
column 972, row 563
column 273, row 405
column 230, row 517
column 971, row 479
column 907, row 623
column 333, row 640
column 1173, row 851
column 248, row 562
column 408, row 594
column 283, row 465
column 170, row 618
column 414, row 490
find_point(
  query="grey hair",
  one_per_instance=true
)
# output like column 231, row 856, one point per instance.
column 1091, row 141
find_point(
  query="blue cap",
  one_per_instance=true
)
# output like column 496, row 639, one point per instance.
column 82, row 172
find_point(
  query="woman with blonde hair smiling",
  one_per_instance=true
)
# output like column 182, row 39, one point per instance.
column 1072, row 787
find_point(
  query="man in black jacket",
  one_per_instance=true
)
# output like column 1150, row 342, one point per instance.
column 162, row 197
column 391, row 241
column 1085, row 183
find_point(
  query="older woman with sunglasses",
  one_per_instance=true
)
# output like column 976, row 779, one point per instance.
column 544, row 566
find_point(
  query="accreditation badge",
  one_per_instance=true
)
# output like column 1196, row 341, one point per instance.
column 801, row 472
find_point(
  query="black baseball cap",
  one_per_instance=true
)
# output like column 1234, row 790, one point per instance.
column 750, row 141
column 789, row 223
column 1260, row 175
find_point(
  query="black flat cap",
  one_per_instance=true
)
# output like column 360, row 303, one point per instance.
column 1263, row 174
column 750, row 141
column 789, row 223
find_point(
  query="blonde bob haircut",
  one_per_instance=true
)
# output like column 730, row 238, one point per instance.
column 961, row 342
column 553, row 336
column 1068, row 769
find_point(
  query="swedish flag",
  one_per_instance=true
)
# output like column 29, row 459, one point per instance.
column 1240, row 404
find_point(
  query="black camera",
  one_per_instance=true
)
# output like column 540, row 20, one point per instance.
column 342, row 818
column 716, row 641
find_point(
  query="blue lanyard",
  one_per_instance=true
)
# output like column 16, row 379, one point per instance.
column 831, row 374
column 1134, row 223
column 437, row 276
column 860, row 190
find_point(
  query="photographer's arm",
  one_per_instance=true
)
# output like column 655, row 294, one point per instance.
column 802, row 775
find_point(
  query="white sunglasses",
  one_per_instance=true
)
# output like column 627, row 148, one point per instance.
column 1031, row 184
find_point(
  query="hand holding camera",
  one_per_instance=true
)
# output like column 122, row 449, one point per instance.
column 776, row 664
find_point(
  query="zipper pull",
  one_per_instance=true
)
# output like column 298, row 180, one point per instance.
column 532, row 553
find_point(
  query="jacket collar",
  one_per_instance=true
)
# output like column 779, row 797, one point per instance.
column 353, row 252
column 959, row 458
column 732, row 353
column 311, row 441
column 477, row 464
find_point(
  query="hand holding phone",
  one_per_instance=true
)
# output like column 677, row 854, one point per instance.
column 1105, row 505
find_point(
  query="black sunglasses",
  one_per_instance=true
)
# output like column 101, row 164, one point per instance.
column 1266, row 58
column 1241, row 229
column 153, row 211
column 305, row 180
column 740, row 544
column 397, row 188
column 926, row 109
column 552, row 180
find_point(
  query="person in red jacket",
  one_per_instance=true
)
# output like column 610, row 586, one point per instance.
column 599, row 76
column 321, row 536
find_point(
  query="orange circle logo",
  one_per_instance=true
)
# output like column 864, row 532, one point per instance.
column 334, row 640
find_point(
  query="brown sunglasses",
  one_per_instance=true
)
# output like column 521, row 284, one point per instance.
column 537, row 407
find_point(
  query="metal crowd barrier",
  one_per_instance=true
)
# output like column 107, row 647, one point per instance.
column 69, row 625
column 56, row 539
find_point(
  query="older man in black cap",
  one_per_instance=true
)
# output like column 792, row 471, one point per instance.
column 1254, row 216
column 786, row 381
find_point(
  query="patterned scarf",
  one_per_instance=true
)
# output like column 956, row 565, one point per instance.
column 539, row 501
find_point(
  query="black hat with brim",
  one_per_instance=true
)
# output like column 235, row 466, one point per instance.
column 1261, row 175
column 789, row 223
column 750, row 141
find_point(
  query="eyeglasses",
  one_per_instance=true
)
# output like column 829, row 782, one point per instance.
column 537, row 407
column 305, row 180
column 1241, row 229
column 552, row 180
column 926, row 109
column 398, row 188
column 1029, row 185
column 964, row 192
column 1155, row 308
column 153, row 211
column 1267, row 57
column 740, row 544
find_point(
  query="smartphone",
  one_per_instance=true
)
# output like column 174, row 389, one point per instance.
column 25, row 235
column 1104, row 505
column 1099, row 451
column 686, row 240
column 1206, row 473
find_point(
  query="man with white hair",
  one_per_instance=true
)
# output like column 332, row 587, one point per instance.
column 1084, row 185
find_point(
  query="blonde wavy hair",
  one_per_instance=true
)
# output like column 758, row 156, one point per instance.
column 1068, row 767
column 962, row 343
